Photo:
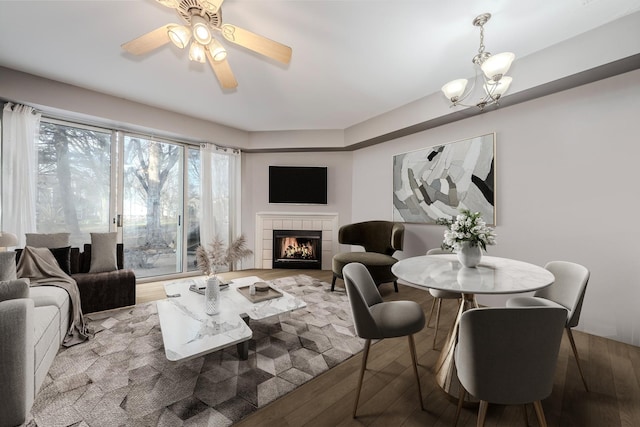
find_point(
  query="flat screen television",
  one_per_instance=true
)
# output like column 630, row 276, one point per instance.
column 298, row 185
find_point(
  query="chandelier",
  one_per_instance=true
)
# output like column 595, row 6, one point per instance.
column 489, row 69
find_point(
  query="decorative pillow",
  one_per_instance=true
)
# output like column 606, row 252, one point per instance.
column 7, row 265
column 12, row 289
column 42, row 240
column 103, row 252
column 63, row 256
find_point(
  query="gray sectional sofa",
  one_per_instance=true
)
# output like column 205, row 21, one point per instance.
column 33, row 323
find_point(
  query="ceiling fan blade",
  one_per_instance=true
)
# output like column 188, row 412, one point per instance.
column 173, row 4
column 212, row 6
column 256, row 43
column 148, row 42
column 223, row 72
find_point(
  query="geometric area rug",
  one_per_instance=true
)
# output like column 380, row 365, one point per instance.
column 121, row 376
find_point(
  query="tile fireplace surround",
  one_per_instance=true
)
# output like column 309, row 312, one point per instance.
column 266, row 222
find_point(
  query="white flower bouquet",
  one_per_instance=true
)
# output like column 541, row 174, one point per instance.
column 467, row 227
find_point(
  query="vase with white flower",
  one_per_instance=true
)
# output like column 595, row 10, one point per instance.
column 467, row 235
column 211, row 261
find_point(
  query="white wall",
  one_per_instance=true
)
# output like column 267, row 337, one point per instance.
column 568, row 170
column 90, row 107
column 255, row 189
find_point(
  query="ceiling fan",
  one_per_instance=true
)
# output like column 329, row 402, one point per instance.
column 203, row 18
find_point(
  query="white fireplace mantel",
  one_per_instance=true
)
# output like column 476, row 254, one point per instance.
column 266, row 222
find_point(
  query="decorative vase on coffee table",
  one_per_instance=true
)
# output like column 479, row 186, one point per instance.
column 468, row 255
column 212, row 296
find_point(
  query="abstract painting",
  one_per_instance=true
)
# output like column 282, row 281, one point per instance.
column 437, row 182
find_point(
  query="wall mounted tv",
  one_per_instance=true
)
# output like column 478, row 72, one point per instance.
column 298, row 185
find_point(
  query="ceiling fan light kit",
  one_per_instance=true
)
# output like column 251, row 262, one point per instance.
column 201, row 31
column 202, row 18
column 217, row 51
column 179, row 35
column 196, row 52
column 494, row 69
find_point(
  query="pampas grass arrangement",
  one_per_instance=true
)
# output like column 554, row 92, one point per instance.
column 211, row 261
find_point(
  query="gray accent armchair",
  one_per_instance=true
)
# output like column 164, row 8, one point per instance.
column 380, row 240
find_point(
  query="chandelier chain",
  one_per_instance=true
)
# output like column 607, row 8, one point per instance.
column 481, row 48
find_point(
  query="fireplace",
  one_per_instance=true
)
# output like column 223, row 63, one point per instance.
column 297, row 249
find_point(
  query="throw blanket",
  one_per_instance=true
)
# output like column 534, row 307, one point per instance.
column 40, row 266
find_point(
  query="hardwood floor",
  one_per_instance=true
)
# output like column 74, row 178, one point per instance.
column 389, row 395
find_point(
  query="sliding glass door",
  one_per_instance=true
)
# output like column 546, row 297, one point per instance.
column 152, row 206
column 162, row 197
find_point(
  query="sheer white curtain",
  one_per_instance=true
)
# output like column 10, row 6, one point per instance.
column 218, row 173
column 20, row 128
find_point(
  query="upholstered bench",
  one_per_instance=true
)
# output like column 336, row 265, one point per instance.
column 104, row 290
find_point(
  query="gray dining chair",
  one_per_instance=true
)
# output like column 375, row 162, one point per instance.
column 376, row 319
column 566, row 291
column 508, row 356
column 438, row 296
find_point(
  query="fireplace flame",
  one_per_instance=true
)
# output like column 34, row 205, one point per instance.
column 291, row 248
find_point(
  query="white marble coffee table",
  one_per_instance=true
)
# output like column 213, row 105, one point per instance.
column 188, row 332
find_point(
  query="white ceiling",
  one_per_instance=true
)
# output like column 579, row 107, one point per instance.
column 352, row 59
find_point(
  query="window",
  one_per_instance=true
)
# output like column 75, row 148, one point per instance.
column 74, row 180
column 148, row 189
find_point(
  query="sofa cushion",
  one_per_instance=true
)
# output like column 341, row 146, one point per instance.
column 52, row 240
column 103, row 252
column 46, row 335
column 7, row 265
column 53, row 296
column 13, row 289
column 48, row 295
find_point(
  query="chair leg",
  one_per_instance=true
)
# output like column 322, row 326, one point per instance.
column 395, row 285
column 433, row 305
column 365, row 355
column 537, row 405
column 482, row 413
column 463, row 393
column 435, row 333
column 575, row 353
column 333, row 282
column 412, row 348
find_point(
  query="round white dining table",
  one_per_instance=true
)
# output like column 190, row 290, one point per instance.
column 493, row 275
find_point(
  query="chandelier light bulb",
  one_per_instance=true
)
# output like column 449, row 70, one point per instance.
column 497, row 66
column 496, row 89
column 196, row 52
column 454, row 89
column 201, row 31
column 179, row 35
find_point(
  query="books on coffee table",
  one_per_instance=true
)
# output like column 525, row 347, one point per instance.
column 200, row 287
